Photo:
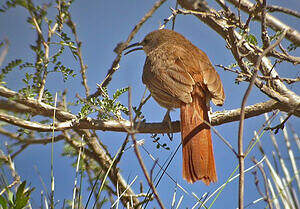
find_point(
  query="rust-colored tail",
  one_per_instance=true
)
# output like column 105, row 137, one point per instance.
column 197, row 149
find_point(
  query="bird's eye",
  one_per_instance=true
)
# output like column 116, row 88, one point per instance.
column 145, row 41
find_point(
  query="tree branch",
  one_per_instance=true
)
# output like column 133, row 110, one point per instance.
column 239, row 46
column 217, row 118
column 275, row 8
column 242, row 117
column 83, row 67
column 99, row 155
column 120, row 47
column 292, row 34
column 40, row 107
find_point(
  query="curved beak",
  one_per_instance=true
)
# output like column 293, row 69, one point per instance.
column 135, row 49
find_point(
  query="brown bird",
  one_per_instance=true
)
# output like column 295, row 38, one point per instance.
column 179, row 75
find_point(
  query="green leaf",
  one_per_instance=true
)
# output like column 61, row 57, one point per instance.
column 119, row 92
column 292, row 47
column 276, row 35
column 9, row 67
column 22, row 196
column 20, row 190
column 10, row 197
column 3, row 202
column 251, row 39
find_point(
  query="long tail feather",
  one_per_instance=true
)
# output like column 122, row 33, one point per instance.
column 197, row 148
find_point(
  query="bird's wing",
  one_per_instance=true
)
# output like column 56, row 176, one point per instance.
column 174, row 70
column 211, row 78
column 166, row 77
column 197, row 64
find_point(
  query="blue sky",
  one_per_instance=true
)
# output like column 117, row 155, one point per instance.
column 101, row 25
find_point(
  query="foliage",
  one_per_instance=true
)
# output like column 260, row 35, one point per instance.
column 19, row 200
column 107, row 108
column 8, row 68
column 250, row 38
column 35, row 72
column 56, row 38
column 156, row 139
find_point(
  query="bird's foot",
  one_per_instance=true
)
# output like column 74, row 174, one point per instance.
column 167, row 122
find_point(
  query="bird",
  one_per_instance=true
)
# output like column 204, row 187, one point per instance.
column 179, row 75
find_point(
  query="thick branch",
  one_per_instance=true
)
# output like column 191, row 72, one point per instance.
column 292, row 34
column 99, row 155
column 40, row 107
column 248, row 51
column 217, row 118
column 67, row 119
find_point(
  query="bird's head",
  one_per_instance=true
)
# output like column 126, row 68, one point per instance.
column 154, row 39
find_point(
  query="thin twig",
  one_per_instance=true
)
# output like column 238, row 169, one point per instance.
column 83, row 67
column 255, row 139
column 264, row 33
column 203, row 14
column 256, row 182
column 292, row 34
column 171, row 17
column 46, row 56
column 76, row 174
column 221, row 137
column 173, row 20
column 23, row 147
column 242, row 118
column 239, row 10
column 43, row 141
column 162, row 168
column 176, row 12
column 115, row 64
column 43, row 83
column 279, row 126
column 138, row 154
column 14, row 174
column 267, row 197
column 52, row 158
column 265, row 78
column 167, row 162
column 283, row 50
column 142, row 103
column 275, row 8
column 246, row 26
column 45, row 43
column 231, row 179
column 4, row 52
column 289, row 58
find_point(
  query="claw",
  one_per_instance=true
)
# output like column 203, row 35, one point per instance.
column 167, row 121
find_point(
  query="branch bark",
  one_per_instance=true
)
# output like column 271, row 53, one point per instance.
column 70, row 121
column 249, row 51
column 292, row 34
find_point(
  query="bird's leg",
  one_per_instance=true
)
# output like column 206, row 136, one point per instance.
column 167, row 121
column 210, row 111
